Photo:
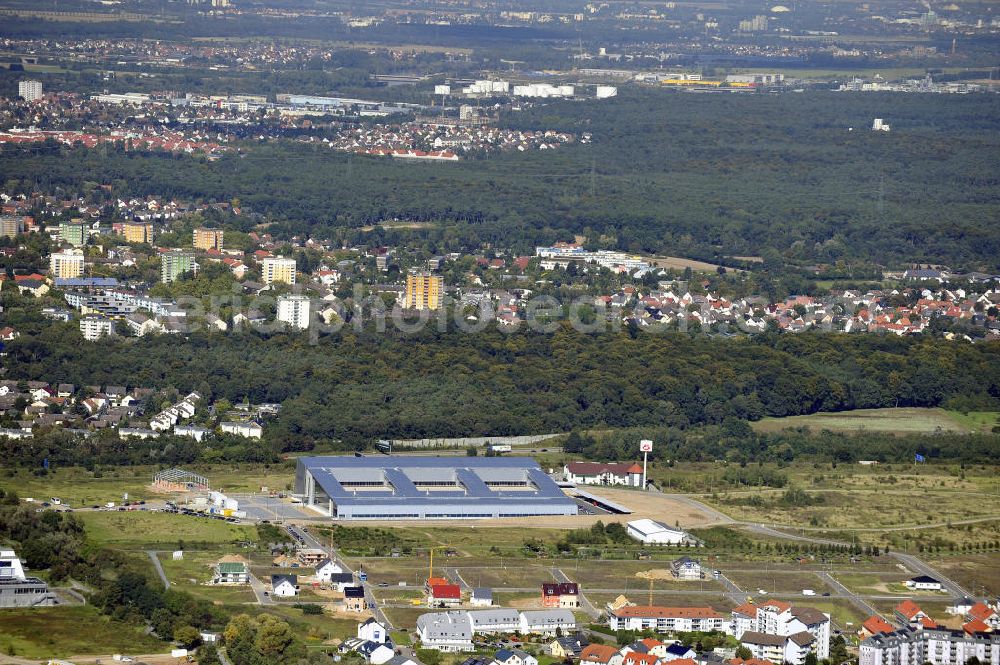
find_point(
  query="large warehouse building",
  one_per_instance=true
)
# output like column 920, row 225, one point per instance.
column 395, row 487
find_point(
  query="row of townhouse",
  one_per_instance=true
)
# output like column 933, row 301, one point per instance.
column 938, row 646
column 774, row 630
column 455, row 630
column 170, row 416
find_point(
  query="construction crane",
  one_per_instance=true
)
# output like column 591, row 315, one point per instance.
column 430, row 568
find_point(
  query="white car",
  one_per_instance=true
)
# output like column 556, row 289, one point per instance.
column 762, row 592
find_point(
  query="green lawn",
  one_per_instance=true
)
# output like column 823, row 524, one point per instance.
column 144, row 530
column 902, row 420
column 66, row 631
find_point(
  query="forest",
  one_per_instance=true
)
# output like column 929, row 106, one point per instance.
column 353, row 387
column 700, row 176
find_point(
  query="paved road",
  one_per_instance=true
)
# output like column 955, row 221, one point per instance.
column 260, row 591
column 734, row 592
column 910, row 561
column 456, row 577
column 842, row 590
column 159, row 569
column 585, row 604
column 918, row 566
column 301, row 535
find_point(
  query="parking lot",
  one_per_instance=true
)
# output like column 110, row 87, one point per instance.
column 263, row 507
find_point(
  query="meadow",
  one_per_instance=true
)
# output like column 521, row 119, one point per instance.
column 900, row 421
column 52, row 632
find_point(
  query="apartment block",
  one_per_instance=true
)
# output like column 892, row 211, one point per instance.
column 75, row 233
column 294, row 310
column 66, row 265
column 95, row 327
column 423, row 291
column 274, row 269
column 29, row 90
column 10, row 226
column 174, row 263
column 138, row 232
column 208, row 239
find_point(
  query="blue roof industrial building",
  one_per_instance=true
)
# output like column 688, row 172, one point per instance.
column 396, row 487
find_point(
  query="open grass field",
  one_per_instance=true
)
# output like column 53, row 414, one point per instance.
column 900, row 421
column 780, row 582
column 78, row 487
column 192, row 572
column 873, row 584
column 52, row 632
column 146, row 530
column 979, row 573
column 318, row 629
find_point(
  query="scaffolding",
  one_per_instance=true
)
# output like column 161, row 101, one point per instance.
column 179, row 480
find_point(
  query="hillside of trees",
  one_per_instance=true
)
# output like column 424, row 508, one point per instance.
column 354, row 387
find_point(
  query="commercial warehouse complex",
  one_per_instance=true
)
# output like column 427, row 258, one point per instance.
column 428, row 488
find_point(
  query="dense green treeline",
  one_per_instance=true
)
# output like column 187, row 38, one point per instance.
column 681, row 174
column 354, row 386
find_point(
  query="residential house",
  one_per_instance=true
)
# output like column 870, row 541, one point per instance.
column 603, row 473
column 284, row 585
column 909, row 613
column 600, row 654
column 636, row 658
column 561, row 594
column 514, row 657
column 231, row 572
column 373, row 631
column 481, row 597
column 923, row 583
column 326, row 568
column 677, row 652
column 960, row 606
column 341, row 581
column 685, row 568
column 983, row 612
column 568, row 646
column 444, row 595
column 875, row 625
column 250, row 430
column 354, row 599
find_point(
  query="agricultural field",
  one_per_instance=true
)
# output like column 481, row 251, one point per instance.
column 900, row 420
column 147, row 530
column 52, row 632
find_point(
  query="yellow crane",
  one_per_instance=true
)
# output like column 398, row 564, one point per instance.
column 430, row 568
